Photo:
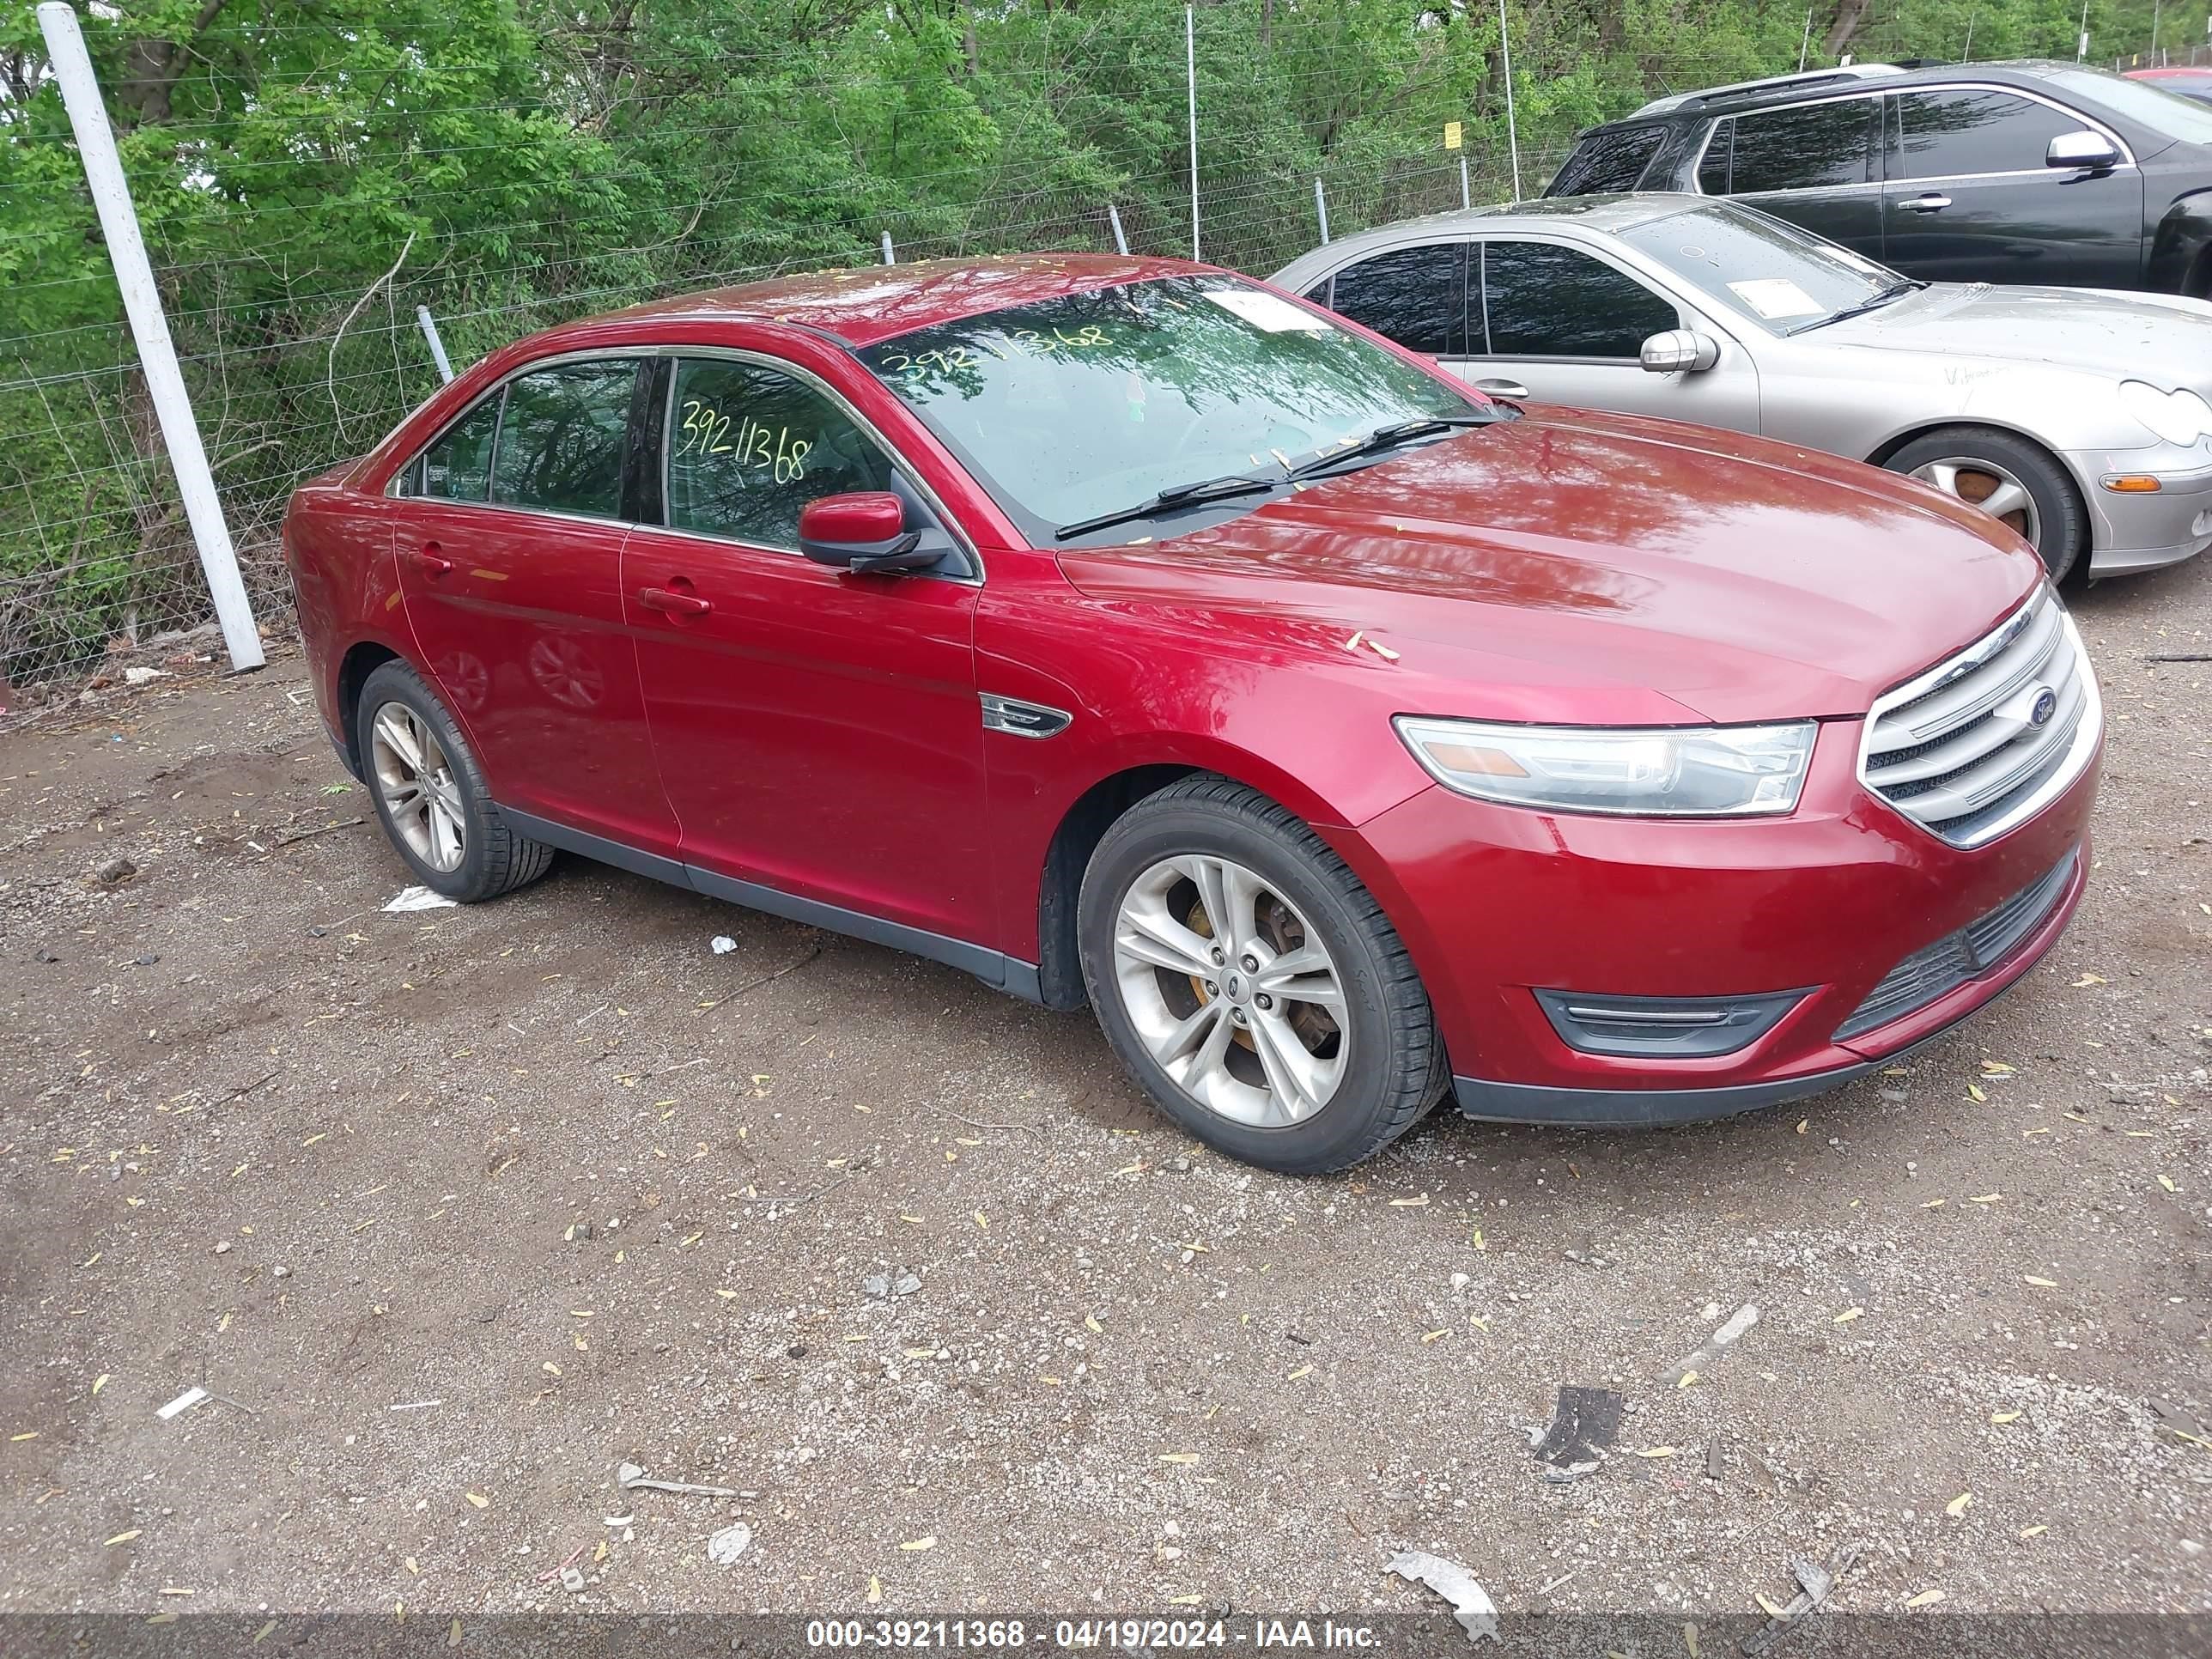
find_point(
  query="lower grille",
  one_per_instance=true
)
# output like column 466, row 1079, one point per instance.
column 1981, row 742
column 1978, row 948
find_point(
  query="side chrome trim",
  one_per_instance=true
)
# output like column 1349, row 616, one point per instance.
column 995, row 968
column 1018, row 719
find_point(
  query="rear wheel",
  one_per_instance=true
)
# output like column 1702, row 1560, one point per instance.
column 2012, row 480
column 1251, row 985
column 430, row 793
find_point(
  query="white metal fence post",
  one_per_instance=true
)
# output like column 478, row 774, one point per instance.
column 437, row 346
column 157, row 353
column 888, row 258
column 1321, row 209
column 1465, row 199
column 1190, row 75
column 1512, row 131
column 1113, row 217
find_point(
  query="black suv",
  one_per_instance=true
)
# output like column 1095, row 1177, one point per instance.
column 1999, row 172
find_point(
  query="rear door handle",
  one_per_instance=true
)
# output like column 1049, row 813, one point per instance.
column 1928, row 204
column 671, row 603
column 426, row 560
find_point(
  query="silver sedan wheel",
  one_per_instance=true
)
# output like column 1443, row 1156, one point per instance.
column 1988, row 486
column 416, row 783
column 1231, row 991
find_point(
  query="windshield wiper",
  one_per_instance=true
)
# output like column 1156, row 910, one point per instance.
column 1389, row 437
column 1896, row 290
column 1225, row 487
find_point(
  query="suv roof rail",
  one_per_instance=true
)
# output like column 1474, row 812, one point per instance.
column 1810, row 78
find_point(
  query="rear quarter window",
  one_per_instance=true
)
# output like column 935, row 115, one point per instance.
column 1607, row 161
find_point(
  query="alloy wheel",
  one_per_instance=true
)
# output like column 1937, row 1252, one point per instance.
column 1988, row 486
column 1231, row 991
column 416, row 781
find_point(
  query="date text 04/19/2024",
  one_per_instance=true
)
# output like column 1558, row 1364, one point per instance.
column 1102, row 1634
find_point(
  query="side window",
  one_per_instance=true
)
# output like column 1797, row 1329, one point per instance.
column 458, row 467
column 1713, row 170
column 1811, row 147
column 1414, row 296
column 748, row 446
column 1942, row 135
column 1540, row 300
column 1607, row 161
column 561, row 445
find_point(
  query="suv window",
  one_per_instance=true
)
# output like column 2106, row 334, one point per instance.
column 1607, row 161
column 1414, row 296
column 1947, row 133
column 1540, row 300
column 458, row 467
column 1807, row 147
column 560, row 443
column 748, row 446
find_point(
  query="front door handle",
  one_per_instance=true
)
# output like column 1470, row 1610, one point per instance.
column 670, row 602
column 1929, row 203
column 428, row 560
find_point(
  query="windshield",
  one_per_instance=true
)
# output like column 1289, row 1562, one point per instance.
column 2145, row 101
column 1090, row 404
column 1780, row 276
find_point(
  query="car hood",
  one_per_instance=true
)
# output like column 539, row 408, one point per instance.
column 1594, row 567
column 2123, row 335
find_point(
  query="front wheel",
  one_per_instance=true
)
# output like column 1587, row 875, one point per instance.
column 1251, row 985
column 2012, row 480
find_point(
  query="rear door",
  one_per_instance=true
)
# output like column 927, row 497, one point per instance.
column 1811, row 163
column 1967, row 196
column 510, row 534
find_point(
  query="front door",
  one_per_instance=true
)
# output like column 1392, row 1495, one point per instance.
column 819, row 732
column 510, row 537
column 1967, row 198
column 1570, row 328
column 1811, row 163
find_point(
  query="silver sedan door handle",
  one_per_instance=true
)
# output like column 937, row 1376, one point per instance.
column 1929, row 203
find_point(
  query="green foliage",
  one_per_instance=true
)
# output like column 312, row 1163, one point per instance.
column 307, row 173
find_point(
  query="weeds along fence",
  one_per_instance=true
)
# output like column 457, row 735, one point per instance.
column 96, row 558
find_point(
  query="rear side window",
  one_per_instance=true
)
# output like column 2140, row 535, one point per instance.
column 1811, row 147
column 560, row 443
column 1414, row 296
column 1720, row 149
column 458, row 467
column 1944, row 134
column 1540, row 300
column 1607, row 161
column 749, row 445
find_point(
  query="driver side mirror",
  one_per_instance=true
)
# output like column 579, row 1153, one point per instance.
column 864, row 532
column 1680, row 350
column 2082, row 150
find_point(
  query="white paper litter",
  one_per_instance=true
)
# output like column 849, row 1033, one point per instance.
column 1471, row 1604
column 728, row 1545
column 723, row 944
column 1775, row 297
column 418, row 898
column 1269, row 313
column 182, row 1402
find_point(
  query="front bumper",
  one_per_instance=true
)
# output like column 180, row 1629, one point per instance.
column 2135, row 532
column 1497, row 904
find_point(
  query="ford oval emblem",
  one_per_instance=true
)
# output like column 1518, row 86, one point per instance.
column 2046, row 705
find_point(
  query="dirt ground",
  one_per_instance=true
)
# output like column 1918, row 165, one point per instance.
column 471, row 1207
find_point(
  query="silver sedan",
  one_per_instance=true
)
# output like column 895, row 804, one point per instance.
column 2078, row 416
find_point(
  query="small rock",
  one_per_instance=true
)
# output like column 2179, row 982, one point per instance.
column 146, row 960
column 43, row 955
column 2190, row 1546
column 572, row 1580
column 318, row 932
column 796, row 1350
column 728, row 1545
column 877, row 1285
column 118, row 868
column 723, row 944
column 905, row 1284
column 222, row 1247
column 143, row 676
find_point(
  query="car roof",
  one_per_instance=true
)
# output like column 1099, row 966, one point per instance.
column 1834, row 83
column 870, row 303
column 1602, row 212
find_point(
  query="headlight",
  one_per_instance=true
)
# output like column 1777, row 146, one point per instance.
column 1709, row 771
column 2179, row 417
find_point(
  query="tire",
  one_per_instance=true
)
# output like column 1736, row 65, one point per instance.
column 2052, row 518
column 490, row 858
column 1145, row 934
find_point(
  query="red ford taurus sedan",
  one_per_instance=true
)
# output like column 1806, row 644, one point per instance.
column 1124, row 632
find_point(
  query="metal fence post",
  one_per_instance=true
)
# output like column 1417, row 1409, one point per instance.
column 1512, row 130
column 1190, row 76
column 1465, row 199
column 157, row 353
column 1113, row 216
column 437, row 346
column 1321, row 209
column 888, row 258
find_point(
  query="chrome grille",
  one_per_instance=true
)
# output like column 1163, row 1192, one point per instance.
column 1960, row 750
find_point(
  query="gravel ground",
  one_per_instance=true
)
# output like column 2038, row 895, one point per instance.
column 471, row 1207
